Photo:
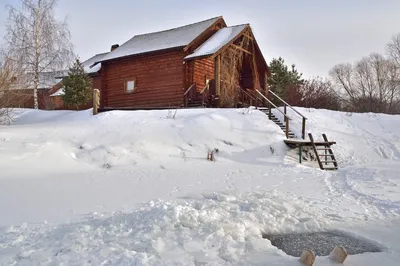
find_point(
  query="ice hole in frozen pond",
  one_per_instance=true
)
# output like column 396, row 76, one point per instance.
column 322, row 243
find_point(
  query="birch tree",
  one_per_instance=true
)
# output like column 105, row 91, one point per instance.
column 36, row 39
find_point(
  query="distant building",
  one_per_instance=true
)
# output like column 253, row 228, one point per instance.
column 94, row 73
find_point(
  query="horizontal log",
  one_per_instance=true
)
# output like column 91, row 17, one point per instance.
column 138, row 102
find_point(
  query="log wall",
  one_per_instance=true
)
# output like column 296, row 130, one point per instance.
column 159, row 81
column 203, row 69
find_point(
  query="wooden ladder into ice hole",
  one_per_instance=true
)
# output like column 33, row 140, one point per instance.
column 328, row 156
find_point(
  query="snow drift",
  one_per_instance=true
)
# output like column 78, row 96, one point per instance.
column 134, row 188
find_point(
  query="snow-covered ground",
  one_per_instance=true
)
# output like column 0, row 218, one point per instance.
column 134, row 188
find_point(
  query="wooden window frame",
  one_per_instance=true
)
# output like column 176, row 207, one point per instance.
column 126, row 85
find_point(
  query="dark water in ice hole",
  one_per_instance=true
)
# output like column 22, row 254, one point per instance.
column 322, row 243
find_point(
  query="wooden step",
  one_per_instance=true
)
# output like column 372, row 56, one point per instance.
column 195, row 105
column 322, row 144
column 330, row 168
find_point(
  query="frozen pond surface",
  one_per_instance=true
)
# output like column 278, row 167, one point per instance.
column 322, row 243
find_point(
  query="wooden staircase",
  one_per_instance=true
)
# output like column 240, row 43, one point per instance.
column 195, row 101
column 276, row 120
column 326, row 160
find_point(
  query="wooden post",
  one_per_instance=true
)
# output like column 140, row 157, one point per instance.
column 269, row 110
column 218, row 77
column 287, row 127
column 185, row 100
column 284, row 110
column 338, row 255
column 300, row 146
column 303, row 128
column 96, row 101
column 307, row 258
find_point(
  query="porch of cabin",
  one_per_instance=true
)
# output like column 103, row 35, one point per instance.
column 228, row 79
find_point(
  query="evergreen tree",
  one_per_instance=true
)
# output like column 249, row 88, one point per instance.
column 77, row 86
column 282, row 78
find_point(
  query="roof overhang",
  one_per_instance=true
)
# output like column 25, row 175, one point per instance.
column 141, row 54
column 220, row 50
column 220, row 20
column 247, row 30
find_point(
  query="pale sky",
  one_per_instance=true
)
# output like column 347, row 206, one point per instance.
column 313, row 34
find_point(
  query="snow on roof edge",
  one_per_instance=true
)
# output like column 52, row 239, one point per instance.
column 217, row 41
column 148, row 52
column 191, row 24
column 58, row 92
column 167, row 39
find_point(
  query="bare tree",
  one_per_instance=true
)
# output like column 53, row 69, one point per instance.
column 343, row 77
column 10, row 83
column 393, row 48
column 35, row 38
column 371, row 85
column 313, row 93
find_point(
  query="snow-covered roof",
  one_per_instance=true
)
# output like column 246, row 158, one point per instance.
column 88, row 63
column 217, row 41
column 46, row 80
column 59, row 92
column 156, row 41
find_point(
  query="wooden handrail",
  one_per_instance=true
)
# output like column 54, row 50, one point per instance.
column 303, row 126
column 269, row 91
column 190, row 88
column 265, row 98
column 248, row 94
column 205, row 87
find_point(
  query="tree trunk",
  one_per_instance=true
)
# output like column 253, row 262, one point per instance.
column 37, row 57
column 35, row 95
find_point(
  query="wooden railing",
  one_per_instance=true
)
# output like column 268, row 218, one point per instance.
column 188, row 94
column 205, row 94
column 285, row 105
column 253, row 98
column 271, row 104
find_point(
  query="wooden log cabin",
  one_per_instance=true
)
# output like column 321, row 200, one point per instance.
column 202, row 64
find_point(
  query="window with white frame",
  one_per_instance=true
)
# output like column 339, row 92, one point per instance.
column 130, row 85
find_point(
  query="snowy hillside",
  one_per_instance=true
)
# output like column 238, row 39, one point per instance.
column 134, row 188
column 362, row 138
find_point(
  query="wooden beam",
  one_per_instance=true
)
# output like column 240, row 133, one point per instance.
column 219, row 20
column 240, row 48
column 248, row 36
column 218, row 75
column 231, row 42
column 96, row 101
